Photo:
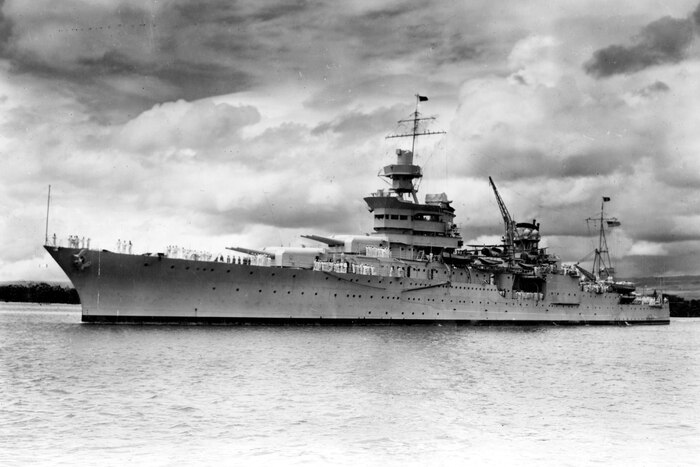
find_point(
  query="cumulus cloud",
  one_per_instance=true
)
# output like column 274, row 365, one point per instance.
column 644, row 248
column 555, row 142
column 654, row 88
column 536, row 61
column 242, row 123
column 545, row 125
column 5, row 28
column 230, row 181
column 181, row 125
column 665, row 40
column 358, row 125
column 127, row 56
column 180, row 170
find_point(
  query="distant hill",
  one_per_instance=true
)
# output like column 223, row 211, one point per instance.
column 687, row 287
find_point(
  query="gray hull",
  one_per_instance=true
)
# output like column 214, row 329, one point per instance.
column 130, row 288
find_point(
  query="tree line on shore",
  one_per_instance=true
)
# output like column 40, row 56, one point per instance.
column 41, row 292
column 682, row 308
column 38, row 292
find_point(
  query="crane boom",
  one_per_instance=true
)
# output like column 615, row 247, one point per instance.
column 507, row 220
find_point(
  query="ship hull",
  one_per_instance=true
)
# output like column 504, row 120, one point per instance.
column 121, row 288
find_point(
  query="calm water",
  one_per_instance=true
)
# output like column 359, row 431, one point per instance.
column 76, row 394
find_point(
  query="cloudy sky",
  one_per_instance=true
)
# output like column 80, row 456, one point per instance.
column 214, row 123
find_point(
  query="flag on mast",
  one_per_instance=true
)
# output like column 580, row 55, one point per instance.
column 421, row 98
column 606, row 198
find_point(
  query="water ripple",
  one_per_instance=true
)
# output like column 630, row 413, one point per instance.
column 78, row 394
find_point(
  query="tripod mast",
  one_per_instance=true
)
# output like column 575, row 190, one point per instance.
column 602, row 265
column 404, row 171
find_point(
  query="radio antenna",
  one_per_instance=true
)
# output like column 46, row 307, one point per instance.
column 48, row 205
column 415, row 122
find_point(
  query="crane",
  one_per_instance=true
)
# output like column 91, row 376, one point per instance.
column 508, row 221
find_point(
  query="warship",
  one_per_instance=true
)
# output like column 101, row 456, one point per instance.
column 413, row 268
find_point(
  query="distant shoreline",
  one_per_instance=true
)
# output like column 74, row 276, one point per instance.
column 38, row 292
column 46, row 293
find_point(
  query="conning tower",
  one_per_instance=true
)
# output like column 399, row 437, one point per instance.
column 413, row 229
